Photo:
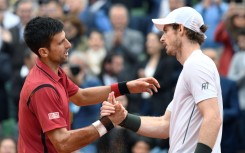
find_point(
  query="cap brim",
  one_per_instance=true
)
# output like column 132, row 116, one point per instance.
column 159, row 23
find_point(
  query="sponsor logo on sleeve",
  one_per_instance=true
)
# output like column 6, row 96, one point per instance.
column 205, row 86
column 53, row 115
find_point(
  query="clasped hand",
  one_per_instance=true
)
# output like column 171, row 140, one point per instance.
column 113, row 109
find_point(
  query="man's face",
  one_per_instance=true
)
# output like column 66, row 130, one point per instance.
column 119, row 18
column 170, row 40
column 117, row 65
column 58, row 51
column 25, row 12
column 95, row 41
column 153, row 45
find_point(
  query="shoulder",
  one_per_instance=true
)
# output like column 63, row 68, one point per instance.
column 199, row 65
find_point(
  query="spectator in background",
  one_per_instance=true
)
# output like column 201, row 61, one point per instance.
column 226, row 33
column 237, row 73
column 51, row 9
column 229, row 142
column 75, row 33
column 5, row 73
column 112, row 67
column 124, row 40
column 91, row 15
column 212, row 12
column 26, row 10
column 8, row 145
column 141, row 145
column 29, row 62
column 5, row 39
column 95, row 16
column 8, row 19
column 96, row 52
column 162, row 8
column 75, row 7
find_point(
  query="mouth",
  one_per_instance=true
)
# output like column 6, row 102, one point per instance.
column 67, row 53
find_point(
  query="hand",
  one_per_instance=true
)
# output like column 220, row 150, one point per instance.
column 143, row 85
column 114, row 110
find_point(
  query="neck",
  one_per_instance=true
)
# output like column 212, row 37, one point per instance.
column 53, row 66
column 186, row 50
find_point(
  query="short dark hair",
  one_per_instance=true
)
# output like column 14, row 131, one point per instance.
column 39, row 32
column 192, row 35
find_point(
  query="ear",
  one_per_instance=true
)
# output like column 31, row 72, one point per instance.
column 181, row 30
column 43, row 52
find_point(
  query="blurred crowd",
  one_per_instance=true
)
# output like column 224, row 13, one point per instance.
column 113, row 41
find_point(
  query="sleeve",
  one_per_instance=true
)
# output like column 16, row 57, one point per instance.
column 72, row 88
column 48, row 108
column 200, row 81
column 170, row 106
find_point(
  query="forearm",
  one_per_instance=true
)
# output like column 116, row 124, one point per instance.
column 94, row 95
column 66, row 141
column 209, row 131
column 155, row 127
column 75, row 139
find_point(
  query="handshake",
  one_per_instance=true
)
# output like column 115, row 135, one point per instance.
column 113, row 109
column 113, row 113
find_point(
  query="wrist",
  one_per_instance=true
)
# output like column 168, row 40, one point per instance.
column 131, row 122
column 103, row 125
column 120, row 88
column 202, row 148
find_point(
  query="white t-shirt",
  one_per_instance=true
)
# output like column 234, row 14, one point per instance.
column 199, row 80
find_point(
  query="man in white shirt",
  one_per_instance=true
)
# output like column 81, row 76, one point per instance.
column 193, row 119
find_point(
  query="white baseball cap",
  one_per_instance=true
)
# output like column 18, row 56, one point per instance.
column 186, row 16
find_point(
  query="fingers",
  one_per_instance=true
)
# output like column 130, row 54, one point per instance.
column 113, row 99
column 109, row 99
column 149, row 91
column 151, row 86
column 152, row 81
column 107, row 109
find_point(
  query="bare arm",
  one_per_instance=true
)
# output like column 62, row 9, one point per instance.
column 90, row 96
column 95, row 95
column 155, row 127
column 211, row 121
column 66, row 141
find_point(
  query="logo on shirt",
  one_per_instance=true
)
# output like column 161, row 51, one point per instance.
column 205, row 86
column 53, row 115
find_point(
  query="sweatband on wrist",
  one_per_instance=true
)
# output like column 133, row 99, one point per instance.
column 131, row 122
column 115, row 88
column 107, row 123
column 103, row 125
column 100, row 128
column 120, row 88
column 202, row 148
column 123, row 88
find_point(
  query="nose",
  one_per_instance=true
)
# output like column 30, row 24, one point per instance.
column 162, row 38
column 68, row 44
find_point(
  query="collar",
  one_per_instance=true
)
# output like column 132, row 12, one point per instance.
column 43, row 67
